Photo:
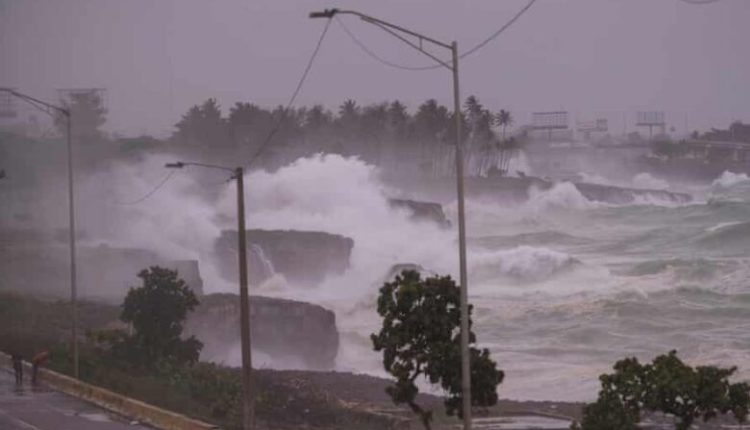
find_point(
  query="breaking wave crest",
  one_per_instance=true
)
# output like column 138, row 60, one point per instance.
column 523, row 263
column 561, row 195
column 729, row 179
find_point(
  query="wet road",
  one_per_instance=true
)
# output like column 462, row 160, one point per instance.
column 39, row 408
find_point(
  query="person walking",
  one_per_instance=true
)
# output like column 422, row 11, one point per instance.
column 38, row 360
column 17, row 368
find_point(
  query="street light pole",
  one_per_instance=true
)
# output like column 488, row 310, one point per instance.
column 465, row 358
column 453, row 47
column 72, row 242
column 248, row 412
column 49, row 108
column 248, row 404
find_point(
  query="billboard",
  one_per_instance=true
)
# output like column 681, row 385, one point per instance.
column 549, row 120
column 649, row 118
column 600, row 124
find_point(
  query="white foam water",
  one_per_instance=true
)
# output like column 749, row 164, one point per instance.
column 554, row 316
column 729, row 179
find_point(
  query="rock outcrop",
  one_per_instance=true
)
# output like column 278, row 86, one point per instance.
column 516, row 190
column 423, row 211
column 285, row 330
column 621, row 195
column 302, row 257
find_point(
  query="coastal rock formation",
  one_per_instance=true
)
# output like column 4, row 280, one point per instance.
column 516, row 190
column 302, row 257
column 285, row 330
column 620, row 195
column 423, row 211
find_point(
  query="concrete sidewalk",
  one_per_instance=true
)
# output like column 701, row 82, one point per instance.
column 41, row 408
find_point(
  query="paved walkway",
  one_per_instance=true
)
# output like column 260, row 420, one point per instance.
column 40, row 408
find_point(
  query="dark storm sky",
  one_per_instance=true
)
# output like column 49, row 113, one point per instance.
column 592, row 57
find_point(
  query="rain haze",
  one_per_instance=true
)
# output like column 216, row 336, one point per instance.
column 256, row 219
column 589, row 56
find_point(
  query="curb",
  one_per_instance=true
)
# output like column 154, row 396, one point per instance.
column 113, row 402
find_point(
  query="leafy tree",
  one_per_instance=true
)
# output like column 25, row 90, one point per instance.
column 666, row 385
column 420, row 337
column 87, row 115
column 156, row 311
column 247, row 122
column 203, row 125
column 317, row 117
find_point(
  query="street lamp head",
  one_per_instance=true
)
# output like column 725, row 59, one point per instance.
column 177, row 165
column 327, row 13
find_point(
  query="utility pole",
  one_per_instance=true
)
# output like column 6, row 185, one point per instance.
column 248, row 412
column 72, row 241
column 248, row 403
column 394, row 30
column 51, row 110
column 465, row 364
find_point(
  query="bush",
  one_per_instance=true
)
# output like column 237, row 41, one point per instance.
column 666, row 385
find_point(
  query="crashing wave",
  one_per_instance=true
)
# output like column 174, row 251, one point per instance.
column 591, row 178
column 560, row 195
column 729, row 179
column 648, row 182
column 524, row 263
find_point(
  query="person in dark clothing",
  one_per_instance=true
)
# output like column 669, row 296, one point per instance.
column 38, row 360
column 17, row 368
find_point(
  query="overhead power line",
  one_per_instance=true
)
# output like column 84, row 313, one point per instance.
column 153, row 191
column 471, row 51
column 372, row 54
column 499, row 31
column 268, row 138
column 284, row 113
column 699, row 1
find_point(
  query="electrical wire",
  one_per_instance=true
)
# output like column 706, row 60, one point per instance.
column 375, row 56
column 699, row 1
column 150, row 193
column 498, row 32
column 284, row 113
column 474, row 49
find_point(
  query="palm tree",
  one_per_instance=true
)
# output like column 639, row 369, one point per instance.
column 349, row 112
column 503, row 119
column 473, row 109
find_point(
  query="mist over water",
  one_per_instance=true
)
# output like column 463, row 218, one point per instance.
column 562, row 286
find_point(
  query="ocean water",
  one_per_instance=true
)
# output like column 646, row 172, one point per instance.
column 562, row 287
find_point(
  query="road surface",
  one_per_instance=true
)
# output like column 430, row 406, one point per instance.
column 40, row 408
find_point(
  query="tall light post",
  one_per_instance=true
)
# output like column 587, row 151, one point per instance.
column 402, row 34
column 51, row 110
column 248, row 407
